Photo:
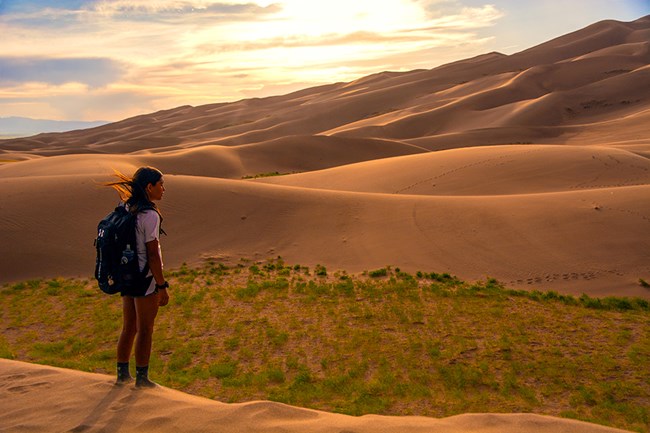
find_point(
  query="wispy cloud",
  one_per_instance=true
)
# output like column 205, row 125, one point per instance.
column 58, row 56
column 196, row 12
column 76, row 102
column 94, row 72
column 82, row 16
column 23, row 6
column 201, row 51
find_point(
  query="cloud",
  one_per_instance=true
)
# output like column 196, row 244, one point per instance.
column 24, row 6
column 126, row 6
column 158, row 54
column 94, row 72
column 408, row 39
column 69, row 102
column 294, row 41
column 77, row 14
column 181, row 10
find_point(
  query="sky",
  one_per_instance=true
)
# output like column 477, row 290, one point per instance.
column 113, row 59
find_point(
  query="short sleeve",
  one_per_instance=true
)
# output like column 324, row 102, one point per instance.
column 149, row 225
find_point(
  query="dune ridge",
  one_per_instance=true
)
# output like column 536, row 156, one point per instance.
column 565, row 85
column 74, row 401
column 530, row 168
column 548, row 240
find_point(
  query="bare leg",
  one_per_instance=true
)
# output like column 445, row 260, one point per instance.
column 146, row 309
column 129, row 328
column 125, row 342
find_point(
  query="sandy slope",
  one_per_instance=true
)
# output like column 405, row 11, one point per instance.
column 582, row 240
column 492, row 170
column 285, row 155
column 45, row 399
column 544, row 183
column 550, row 92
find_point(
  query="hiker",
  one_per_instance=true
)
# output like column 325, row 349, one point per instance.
column 140, row 304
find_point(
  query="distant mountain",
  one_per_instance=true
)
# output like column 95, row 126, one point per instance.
column 11, row 127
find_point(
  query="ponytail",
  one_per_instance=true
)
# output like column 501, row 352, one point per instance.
column 133, row 190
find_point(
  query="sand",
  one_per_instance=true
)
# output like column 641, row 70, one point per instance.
column 531, row 168
column 44, row 399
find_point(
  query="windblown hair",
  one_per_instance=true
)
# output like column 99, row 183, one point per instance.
column 133, row 190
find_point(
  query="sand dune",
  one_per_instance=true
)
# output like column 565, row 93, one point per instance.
column 586, row 240
column 531, row 168
column 541, row 184
column 493, row 170
column 290, row 154
column 606, row 63
column 46, row 399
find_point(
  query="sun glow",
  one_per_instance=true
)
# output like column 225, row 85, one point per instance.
column 175, row 52
column 142, row 55
column 304, row 34
column 344, row 16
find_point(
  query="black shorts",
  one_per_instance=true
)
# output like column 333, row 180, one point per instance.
column 141, row 290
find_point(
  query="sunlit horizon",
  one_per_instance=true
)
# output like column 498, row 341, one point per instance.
column 109, row 60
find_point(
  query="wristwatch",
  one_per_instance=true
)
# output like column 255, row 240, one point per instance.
column 164, row 285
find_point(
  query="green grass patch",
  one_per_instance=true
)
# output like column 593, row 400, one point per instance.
column 261, row 175
column 385, row 342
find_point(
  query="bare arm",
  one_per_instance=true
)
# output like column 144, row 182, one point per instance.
column 155, row 265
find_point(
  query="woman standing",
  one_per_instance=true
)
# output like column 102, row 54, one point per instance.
column 140, row 304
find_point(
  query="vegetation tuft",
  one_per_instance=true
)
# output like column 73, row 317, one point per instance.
column 261, row 175
column 385, row 342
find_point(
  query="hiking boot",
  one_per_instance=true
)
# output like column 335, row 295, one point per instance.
column 142, row 378
column 123, row 380
column 144, row 382
column 123, row 375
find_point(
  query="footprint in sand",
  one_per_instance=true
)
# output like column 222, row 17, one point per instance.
column 554, row 277
column 23, row 389
column 12, row 377
column 121, row 403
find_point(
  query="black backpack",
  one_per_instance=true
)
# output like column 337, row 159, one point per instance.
column 116, row 266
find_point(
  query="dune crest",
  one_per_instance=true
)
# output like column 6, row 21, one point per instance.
column 557, row 90
column 47, row 399
column 531, row 168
